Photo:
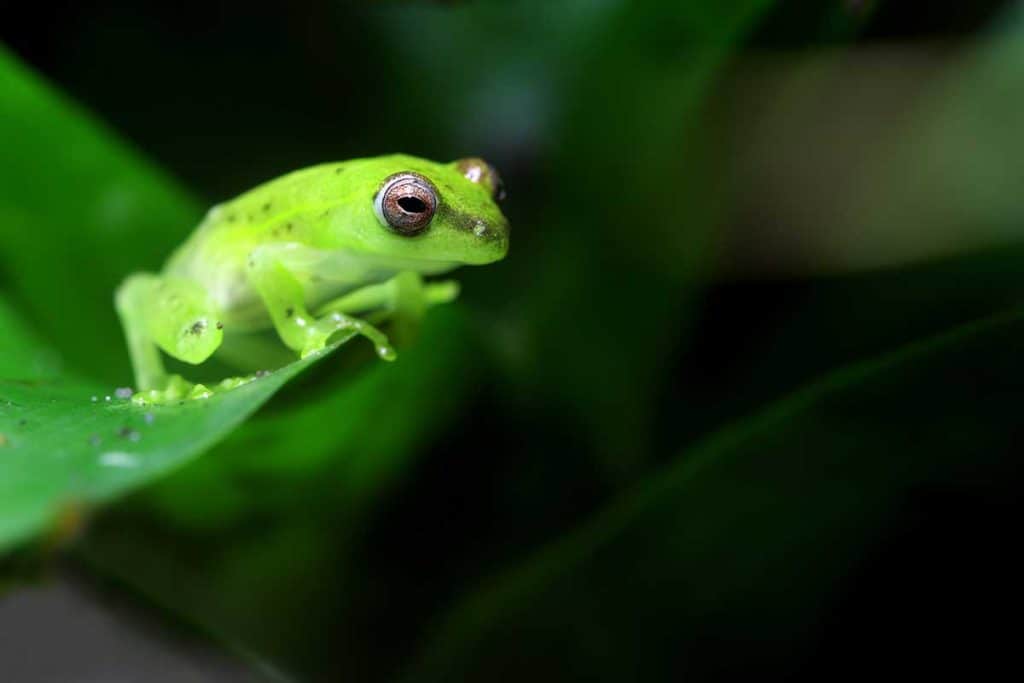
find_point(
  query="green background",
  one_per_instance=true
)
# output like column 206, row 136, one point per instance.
column 615, row 458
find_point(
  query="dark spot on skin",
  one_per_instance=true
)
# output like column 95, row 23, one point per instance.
column 230, row 218
column 22, row 423
column 462, row 221
column 338, row 170
column 266, row 207
column 220, row 325
column 197, row 327
column 288, row 227
column 468, row 223
column 324, row 214
column 275, row 232
column 289, row 312
column 252, row 264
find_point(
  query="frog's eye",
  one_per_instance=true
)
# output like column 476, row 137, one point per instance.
column 479, row 171
column 406, row 202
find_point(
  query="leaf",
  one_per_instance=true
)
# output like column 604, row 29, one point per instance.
column 24, row 356
column 68, row 444
column 330, row 441
column 79, row 210
column 291, row 493
column 750, row 532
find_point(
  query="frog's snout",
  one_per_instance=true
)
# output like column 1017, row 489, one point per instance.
column 492, row 236
column 491, row 230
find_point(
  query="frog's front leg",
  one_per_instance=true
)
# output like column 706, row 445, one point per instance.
column 274, row 279
column 174, row 314
column 405, row 296
column 401, row 301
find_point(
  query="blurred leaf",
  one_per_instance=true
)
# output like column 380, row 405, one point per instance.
column 764, row 339
column 24, row 356
column 78, row 211
column 629, row 231
column 741, row 542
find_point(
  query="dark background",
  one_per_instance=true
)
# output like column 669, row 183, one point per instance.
column 629, row 322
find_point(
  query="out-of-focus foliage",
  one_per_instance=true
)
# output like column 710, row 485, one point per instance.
column 71, row 229
column 68, row 446
column 571, row 471
column 657, row 586
column 68, row 442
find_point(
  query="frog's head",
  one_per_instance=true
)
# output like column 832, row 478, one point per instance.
column 440, row 213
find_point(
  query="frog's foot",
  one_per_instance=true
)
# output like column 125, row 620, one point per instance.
column 175, row 390
column 319, row 332
column 178, row 389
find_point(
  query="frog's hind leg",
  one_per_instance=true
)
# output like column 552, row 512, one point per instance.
column 173, row 314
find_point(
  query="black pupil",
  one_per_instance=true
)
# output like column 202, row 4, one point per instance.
column 412, row 204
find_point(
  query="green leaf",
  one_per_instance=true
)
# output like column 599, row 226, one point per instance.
column 68, row 444
column 79, row 210
column 753, row 528
column 24, row 356
column 329, row 440
column 291, row 493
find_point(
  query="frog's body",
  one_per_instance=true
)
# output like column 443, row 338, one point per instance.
column 363, row 230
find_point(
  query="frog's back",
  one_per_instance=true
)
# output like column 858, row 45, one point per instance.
column 282, row 210
column 276, row 210
column 290, row 208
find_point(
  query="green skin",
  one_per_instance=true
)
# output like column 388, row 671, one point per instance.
column 305, row 254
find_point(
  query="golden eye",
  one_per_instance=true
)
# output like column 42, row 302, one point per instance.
column 406, row 202
column 479, row 171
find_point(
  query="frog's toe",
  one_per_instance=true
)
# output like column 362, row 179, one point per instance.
column 176, row 388
column 199, row 391
column 341, row 328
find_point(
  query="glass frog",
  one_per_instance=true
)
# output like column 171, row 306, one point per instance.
column 337, row 247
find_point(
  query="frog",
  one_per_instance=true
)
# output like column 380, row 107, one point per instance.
column 327, row 252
